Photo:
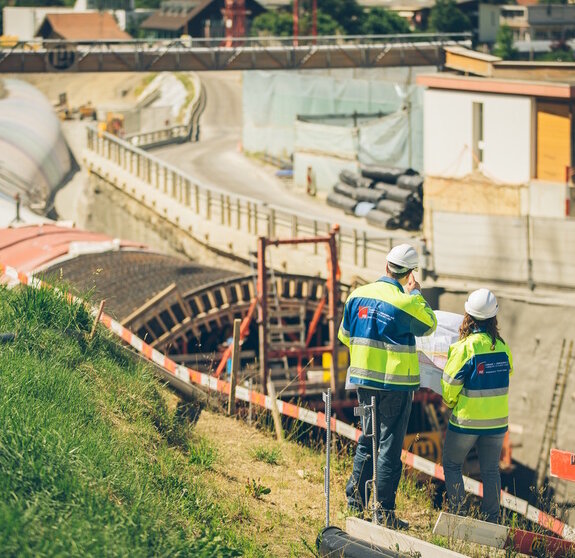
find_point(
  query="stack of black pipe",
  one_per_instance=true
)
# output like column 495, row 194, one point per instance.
column 396, row 195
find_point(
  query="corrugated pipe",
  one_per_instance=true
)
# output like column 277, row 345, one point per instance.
column 332, row 542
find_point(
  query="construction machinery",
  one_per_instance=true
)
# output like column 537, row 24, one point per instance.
column 87, row 110
column 114, row 124
column 66, row 112
column 62, row 108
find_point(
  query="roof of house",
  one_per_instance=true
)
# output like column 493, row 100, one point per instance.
column 82, row 26
column 34, row 247
column 472, row 63
column 173, row 15
column 500, row 86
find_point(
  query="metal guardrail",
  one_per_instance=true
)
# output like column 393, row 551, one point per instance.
column 179, row 133
column 356, row 246
column 191, row 54
column 154, row 138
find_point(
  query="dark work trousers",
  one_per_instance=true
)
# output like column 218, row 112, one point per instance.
column 393, row 408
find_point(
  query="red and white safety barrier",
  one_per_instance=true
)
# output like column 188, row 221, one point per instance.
column 189, row 375
column 562, row 464
column 502, row 537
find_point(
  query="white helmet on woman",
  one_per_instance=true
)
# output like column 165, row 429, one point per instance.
column 482, row 304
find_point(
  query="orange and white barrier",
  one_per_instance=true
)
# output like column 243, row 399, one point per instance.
column 190, row 375
column 562, row 465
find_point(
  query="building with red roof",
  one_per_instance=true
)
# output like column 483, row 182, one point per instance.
column 83, row 26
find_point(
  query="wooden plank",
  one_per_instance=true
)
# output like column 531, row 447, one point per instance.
column 387, row 538
column 562, row 465
column 471, row 530
column 275, row 411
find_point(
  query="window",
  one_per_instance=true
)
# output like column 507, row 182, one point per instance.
column 477, row 136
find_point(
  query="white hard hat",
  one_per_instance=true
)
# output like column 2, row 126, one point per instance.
column 403, row 258
column 482, row 304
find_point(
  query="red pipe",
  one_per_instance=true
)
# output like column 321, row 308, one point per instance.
column 244, row 328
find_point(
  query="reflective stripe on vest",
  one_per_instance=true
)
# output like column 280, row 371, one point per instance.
column 401, row 379
column 479, row 423
column 484, row 392
column 382, row 345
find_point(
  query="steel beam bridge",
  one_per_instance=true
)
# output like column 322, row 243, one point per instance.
column 271, row 53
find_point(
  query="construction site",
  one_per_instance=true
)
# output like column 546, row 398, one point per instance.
column 162, row 201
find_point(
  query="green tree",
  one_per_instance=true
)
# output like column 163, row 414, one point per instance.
column 326, row 25
column 379, row 21
column 148, row 4
column 560, row 52
column 348, row 14
column 276, row 24
column 446, row 17
column 280, row 23
column 3, row 4
column 504, row 43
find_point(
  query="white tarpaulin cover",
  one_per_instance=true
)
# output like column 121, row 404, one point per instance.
column 272, row 100
column 432, row 350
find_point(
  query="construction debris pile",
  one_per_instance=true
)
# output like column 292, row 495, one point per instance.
column 387, row 197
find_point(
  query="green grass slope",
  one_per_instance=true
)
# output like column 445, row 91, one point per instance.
column 94, row 461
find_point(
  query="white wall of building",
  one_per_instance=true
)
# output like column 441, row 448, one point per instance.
column 488, row 22
column 23, row 22
column 449, row 131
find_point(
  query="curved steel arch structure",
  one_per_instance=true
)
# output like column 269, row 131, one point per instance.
column 185, row 325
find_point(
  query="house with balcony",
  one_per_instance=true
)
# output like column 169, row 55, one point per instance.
column 534, row 26
column 498, row 163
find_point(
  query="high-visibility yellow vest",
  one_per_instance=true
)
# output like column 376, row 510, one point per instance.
column 475, row 385
column 379, row 326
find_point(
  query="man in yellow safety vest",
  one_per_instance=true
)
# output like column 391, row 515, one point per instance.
column 379, row 326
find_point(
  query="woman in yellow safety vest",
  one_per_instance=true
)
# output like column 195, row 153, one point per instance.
column 475, row 386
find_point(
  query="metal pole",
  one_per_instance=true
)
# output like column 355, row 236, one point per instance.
column 17, row 218
column 327, row 399
column 262, row 311
column 333, row 314
column 374, row 452
column 362, row 411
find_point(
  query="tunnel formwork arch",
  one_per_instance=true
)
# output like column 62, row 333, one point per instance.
column 191, row 327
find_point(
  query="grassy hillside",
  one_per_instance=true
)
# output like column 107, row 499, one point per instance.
column 95, row 457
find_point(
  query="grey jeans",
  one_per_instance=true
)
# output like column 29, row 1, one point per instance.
column 455, row 451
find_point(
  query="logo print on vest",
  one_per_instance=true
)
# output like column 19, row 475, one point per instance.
column 481, row 368
column 362, row 312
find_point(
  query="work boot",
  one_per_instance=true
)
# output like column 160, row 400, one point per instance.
column 390, row 520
